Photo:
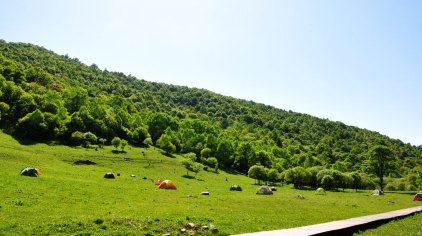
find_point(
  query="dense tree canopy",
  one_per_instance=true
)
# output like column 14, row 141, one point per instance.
column 47, row 96
column 382, row 162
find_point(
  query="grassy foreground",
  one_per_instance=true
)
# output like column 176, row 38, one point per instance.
column 407, row 226
column 76, row 199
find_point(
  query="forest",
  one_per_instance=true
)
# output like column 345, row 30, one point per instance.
column 49, row 97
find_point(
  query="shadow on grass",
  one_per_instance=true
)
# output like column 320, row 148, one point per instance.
column 84, row 162
column 192, row 177
column 118, row 152
column 188, row 177
column 28, row 141
column 168, row 155
column 232, row 172
column 405, row 193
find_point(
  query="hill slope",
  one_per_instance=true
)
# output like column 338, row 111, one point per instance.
column 70, row 199
column 47, row 96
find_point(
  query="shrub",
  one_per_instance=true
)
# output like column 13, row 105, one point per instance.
column 102, row 141
column 90, row 137
column 274, row 175
column 123, row 144
column 192, row 166
column 164, row 142
column 116, row 142
column 77, row 138
column 148, row 142
column 191, row 156
column 212, row 162
column 206, row 152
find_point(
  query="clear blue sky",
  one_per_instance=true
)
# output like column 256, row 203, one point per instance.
column 358, row 62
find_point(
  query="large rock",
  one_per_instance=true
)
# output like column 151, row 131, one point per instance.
column 213, row 228
column 190, row 226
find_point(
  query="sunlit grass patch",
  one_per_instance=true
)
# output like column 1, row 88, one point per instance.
column 68, row 198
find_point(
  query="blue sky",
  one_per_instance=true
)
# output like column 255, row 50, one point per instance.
column 358, row 62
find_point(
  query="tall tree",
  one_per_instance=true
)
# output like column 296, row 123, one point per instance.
column 33, row 125
column 382, row 162
column 244, row 153
column 158, row 123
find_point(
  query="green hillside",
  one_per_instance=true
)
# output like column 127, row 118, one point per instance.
column 45, row 97
column 71, row 199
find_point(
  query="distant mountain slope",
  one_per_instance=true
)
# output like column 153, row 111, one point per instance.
column 47, row 96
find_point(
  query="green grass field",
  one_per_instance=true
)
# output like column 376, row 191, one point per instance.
column 407, row 226
column 77, row 200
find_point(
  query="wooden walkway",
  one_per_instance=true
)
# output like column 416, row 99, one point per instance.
column 339, row 227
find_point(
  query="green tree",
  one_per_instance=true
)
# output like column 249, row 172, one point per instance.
column 191, row 156
column 224, row 152
column 335, row 180
column 264, row 158
column 212, row 142
column 75, row 98
column 342, row 166
column 25, row 105
column 148, row 142
column 187, row 163
column 297, row 176
column 258, row 172
column 381, row 161
column 346, row 181
column 206, row 152
column 367, row 181
column 102, row 142
column 33, row 125
column 327, row 181
column 123, row 144
column 191, row 166
column 273, row 175
column 197, row 167
column 92, row 138
column 77, row 138
column 244, row 154
column 158, row 123
column 4, row 108
column 116, row 142
column 313, row 171
column 212, row 162
column 356, row 180
column 164, row 142
column 139, row 135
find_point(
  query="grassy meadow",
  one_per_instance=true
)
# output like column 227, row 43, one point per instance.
column 410, row 225
column 77, row 200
